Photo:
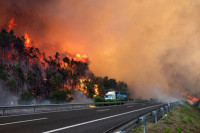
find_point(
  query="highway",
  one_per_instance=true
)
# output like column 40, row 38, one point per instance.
column 92, row 120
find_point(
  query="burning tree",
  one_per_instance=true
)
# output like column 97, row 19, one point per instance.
column 23, row 68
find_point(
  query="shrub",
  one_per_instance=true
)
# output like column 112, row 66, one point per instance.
column 110, row 100
column 25, row 98
column 120, row 100
column 99, row 99
column 58, row 96
column 115, row 100
column 3, row 74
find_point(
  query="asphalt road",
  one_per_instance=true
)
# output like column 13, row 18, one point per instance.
column 95, row 120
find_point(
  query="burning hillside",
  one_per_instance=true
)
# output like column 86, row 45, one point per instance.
column 24, row 68
column 190, row 99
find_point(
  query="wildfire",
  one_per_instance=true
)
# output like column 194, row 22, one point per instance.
column 77, row 57
column 81, row 58
column 92, row 106
column 11, row 24
column 27, row 39
column 190, row 99
column 83, row 87
column 96, row 90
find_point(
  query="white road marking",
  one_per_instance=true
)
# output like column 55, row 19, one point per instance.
column 102, row 110
column 129, row 106
column 59, row 129
column 22, row 121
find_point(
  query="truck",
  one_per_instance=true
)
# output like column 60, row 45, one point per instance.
column 116, row 95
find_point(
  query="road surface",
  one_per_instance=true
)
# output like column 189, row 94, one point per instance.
column 95, row 120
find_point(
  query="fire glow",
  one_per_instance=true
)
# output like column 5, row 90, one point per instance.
column 78, row 57
column 82, row 86
column 27, row 39
column 190, row 99
column 11, row 24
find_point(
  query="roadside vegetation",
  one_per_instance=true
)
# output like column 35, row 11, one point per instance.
column 101, row 99
column 182, row 119
column 25, row 98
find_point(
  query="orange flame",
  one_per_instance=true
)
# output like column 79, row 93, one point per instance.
column 27, row 39
column 78, row 57
column 81, row 58
column 96, row 90
column 11, row 24
column 189, row 99
column 82, row 86
column 92, row 106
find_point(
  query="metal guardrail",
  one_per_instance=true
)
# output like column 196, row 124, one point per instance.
column 135, row 122
column 69, row 105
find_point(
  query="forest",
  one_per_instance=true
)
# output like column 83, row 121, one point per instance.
column 27, row 73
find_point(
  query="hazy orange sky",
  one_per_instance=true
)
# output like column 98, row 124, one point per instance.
column 152, row 45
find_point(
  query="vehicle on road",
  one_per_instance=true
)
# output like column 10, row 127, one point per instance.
column 116, row 95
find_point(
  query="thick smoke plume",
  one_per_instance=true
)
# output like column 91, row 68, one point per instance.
column 151, row 45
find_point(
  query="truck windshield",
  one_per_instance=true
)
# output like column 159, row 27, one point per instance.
column 108, row 96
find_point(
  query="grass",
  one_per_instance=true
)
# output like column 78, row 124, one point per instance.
column 166, row 121
column 182, row 119
column 178, row 129
column 167, row 130
column 189, row 119
column 197, row 127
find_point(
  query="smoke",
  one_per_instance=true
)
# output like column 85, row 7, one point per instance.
column 151, row 45
column 7, row 98
column 80, row 97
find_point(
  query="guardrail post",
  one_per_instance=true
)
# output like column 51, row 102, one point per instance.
column 166, row 108
column 144, row 121
column 168, row 104
column 155, row 113
column 3, row 111
column 162, row 109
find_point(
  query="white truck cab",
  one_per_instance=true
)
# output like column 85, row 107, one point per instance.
column 110, row 95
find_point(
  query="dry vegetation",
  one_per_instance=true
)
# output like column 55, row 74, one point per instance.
column 182, row 119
